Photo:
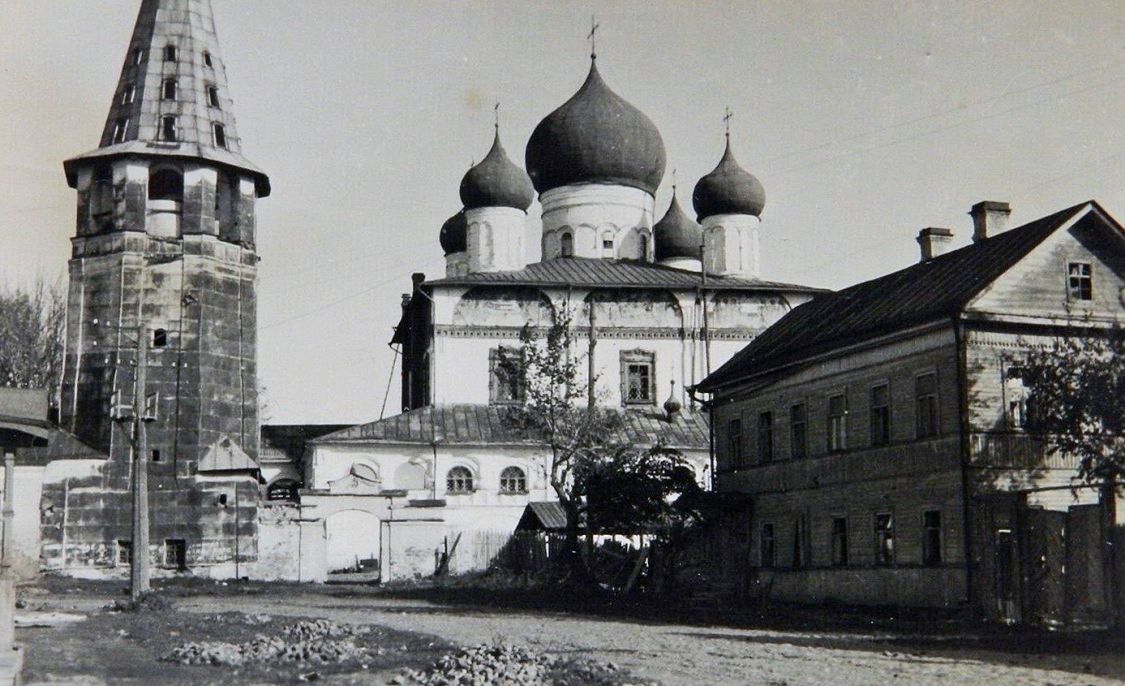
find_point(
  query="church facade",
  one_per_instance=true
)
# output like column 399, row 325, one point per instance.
column 654, row 305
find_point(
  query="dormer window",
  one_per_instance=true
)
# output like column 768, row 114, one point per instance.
column 128, row 93
column 168, row 92
column 220, row 135
column 207, row 59
column 120, row 128
column 169, row 53
column 1079, row 281
column 168, row 128
column 213, row 97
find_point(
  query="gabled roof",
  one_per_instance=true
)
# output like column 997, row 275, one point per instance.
column 604, row 272
column 543, row 516
column 467, row 424
column 61, row 445
column 919, row 294
column 224, row 455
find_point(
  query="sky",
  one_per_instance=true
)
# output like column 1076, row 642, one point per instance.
column 865, row 121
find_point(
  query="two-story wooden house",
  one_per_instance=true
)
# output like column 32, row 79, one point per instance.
column 878, row 431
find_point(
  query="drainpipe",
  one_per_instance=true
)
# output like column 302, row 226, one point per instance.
column 963, row 431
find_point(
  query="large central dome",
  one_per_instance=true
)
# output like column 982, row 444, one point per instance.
column 596, row 137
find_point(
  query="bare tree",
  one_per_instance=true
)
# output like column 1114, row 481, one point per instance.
column 31, row 336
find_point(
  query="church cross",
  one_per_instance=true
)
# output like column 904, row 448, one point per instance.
column 727, row 114
column 593, row 36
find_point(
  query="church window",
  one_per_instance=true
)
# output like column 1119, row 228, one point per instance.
column 566, row 245
column 128, row 93
column 159, row 338
column 120, row 128
column 166, row 184
column 513, row 480
column 644, row 246
column 1079, row 281
column 505, row 376
column 168, row 128
column 169, row 90
column 926, row 405
column 169, row 53
column 207, row 59
column 213, row 97
column 638, row 377
column 220, row 134
column 459, row 480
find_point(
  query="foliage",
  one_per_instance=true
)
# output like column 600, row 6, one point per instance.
column 630, row 491
column 31, row 336
column 1076, row 390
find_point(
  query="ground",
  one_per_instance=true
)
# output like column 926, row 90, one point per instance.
column 412, row 627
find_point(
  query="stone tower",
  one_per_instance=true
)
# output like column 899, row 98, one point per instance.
column 165, row 241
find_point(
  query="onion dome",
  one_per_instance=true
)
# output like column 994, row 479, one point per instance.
column 728, row 189
column 454, row 235
column 676, row 234
column 496, row 182
column 672, row 405
column 595, row 137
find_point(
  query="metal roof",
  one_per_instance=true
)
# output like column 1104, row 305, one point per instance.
column 487, row 425
column 224, row 455
column 604, row 272
column 919, row 294
column 286, row 442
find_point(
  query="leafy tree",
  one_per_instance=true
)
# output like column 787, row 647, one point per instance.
column 31, row 336
column 631, row 490
column 1076, row 396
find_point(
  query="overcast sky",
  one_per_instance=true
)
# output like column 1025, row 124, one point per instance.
column 865, row 122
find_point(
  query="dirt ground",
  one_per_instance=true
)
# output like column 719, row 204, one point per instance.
column 725, row 648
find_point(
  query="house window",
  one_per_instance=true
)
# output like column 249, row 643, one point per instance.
column 168, row 92
column 120, row 128
column 124, row 552
column 513, row 480
column 880, row 415
column 168, row 128
column 169, row 53
column 1079, row 281
column 213, row 97
column 801, row 542
column 207, row 59
column 931, row 537
column 505, row 376
column 798, row 423
column 175, row 553
column 765, row 437
column 159, row 338
column 734, row 441
column 220, row 135
column 1016, row 393
column 839, row 542
column 638, row 377
column 884, row 539
column 926, row 405
column 138, row 55
column 128, row 93
column 459, row 480
column 768, row 547
column 566, row 245
column 837, row 427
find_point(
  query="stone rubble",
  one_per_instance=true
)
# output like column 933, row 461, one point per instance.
column 509, row 665
column 311, row 642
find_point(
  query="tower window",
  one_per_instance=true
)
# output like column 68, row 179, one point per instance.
column 169, row 90
column 213, row 97
column 138, row 55
column 643, row 241
column 169, row 53
column 159, row 338
column 156, row 455
column 120, row 128
column 166, row 184
column 220, row 135
column 1079, row 281
column 566, row 245
column 128, row 93
column 207, row 59
column 168, row 128
column 607, row 243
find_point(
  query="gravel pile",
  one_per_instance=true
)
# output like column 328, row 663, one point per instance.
column 484, row 665
column 311, row 642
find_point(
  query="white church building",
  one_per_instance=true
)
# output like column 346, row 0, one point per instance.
column 655, row 304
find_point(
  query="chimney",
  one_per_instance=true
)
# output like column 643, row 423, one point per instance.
column 934, row 241
column 989, row 218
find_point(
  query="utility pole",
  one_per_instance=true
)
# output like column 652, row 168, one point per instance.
column 139, row 571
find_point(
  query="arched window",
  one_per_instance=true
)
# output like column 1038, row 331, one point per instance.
column 459, row 480
column 364, row 471
column 513, row 480
column 166, row 184
column 643, row 243
column 566, row 245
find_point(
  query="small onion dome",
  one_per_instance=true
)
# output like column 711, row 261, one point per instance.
column 672, row 405
column 595, row 137
column 496, row 182
column 454, row 235
column 676, row 234
column 729, row 189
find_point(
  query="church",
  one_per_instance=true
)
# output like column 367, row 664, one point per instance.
column 655, row 306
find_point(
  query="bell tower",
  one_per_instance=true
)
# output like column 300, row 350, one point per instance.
column 164, row 251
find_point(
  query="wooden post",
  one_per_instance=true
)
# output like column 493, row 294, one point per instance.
column 139, row 569
column 7, row 581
